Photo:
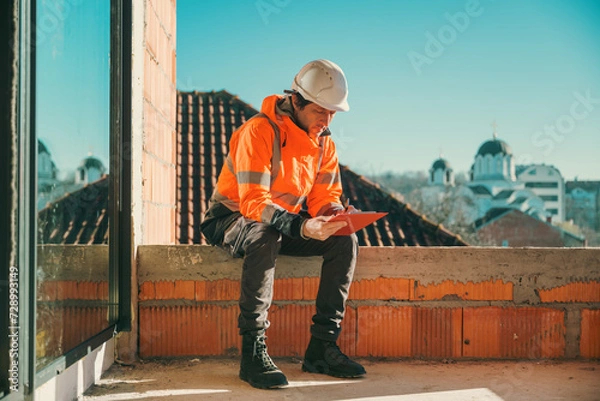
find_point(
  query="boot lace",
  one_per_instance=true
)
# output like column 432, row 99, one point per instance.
column 334, row 355
column 260, row 352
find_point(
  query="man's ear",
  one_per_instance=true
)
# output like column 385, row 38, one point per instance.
column 295, row 99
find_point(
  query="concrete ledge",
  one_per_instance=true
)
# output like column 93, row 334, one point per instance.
column 73, row 262
column 548, row 267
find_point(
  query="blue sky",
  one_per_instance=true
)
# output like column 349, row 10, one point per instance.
column 425, row 77
column 72, row 80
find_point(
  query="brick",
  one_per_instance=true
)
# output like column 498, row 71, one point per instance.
column 494, row 332
column 436, row 333
column 310, row 288
column 81, row 323
column 492, row 290
column 66, row 290
column 288, row 289
column 164, row 289
column 380, row 288
column 347, row 339
column 589, row 346
column 184, row 289
column 223, row 290
column 147, row 291
column 103, row 290
column 572, row 292
column 47, row 291
column 173, row 66
column 205, row 330
column 61, row 328
column 412, row 288
column 289, row 332
column 200, row 290
column 87, row 290
column 384, row 331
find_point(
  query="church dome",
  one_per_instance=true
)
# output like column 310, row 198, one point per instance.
column 494, row 147
column 440, row 164
column 42, row 147
column 92, row 162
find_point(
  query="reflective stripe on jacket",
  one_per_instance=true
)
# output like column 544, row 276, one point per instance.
column 273, row 167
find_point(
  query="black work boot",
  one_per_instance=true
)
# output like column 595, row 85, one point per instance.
column 327, row 358
column 257, row 368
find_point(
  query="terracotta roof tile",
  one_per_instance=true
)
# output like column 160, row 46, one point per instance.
column 205, row 122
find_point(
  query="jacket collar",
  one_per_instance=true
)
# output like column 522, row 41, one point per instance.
column 280, row 109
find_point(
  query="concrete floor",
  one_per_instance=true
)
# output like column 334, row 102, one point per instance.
column 216, row 379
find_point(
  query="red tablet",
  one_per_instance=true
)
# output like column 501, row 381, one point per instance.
column 356, row 221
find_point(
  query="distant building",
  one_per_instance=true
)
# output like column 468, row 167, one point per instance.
column 547, row 183
column 47, row 171
column 91, row 169
column 510, row 227
column 494, row 164
column 441, row 173
column 47, row 176
column 493, row 184
column 583, row 203
column 497, row 184
column 50, row 188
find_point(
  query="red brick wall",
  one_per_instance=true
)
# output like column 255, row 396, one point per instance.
column 520, row 312
column 160, row 97
column 385, row 318
column 68, row 313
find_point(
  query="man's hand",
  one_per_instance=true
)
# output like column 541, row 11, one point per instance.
column 320, row 228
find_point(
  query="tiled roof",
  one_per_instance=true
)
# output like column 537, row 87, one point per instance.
column 480, row 190
column 205, row 122
column 519, row 168
column 79, row 217
column 402, row 226
column 505, row 194
column 491, row 215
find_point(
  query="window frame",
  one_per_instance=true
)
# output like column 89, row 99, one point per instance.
column 19, row 199
column 120, row 208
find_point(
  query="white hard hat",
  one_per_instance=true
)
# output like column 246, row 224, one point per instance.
column 323, row 82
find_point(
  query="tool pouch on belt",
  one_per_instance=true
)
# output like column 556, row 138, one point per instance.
column 235, row 235
column 226, row 229
column 217, row 220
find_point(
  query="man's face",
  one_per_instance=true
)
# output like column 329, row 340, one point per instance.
column 314, row 118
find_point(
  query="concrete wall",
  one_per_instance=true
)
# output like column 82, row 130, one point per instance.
column 405, row 302
column 77, row 378
column 153, row 141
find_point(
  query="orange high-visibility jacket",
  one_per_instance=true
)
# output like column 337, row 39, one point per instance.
column 273, row 167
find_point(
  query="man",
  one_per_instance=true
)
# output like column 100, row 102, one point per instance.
column 278, row 161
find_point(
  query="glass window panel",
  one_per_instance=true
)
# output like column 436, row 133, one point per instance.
column 72, row 126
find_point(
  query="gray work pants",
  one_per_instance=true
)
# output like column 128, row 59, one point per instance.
column 260, row 244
